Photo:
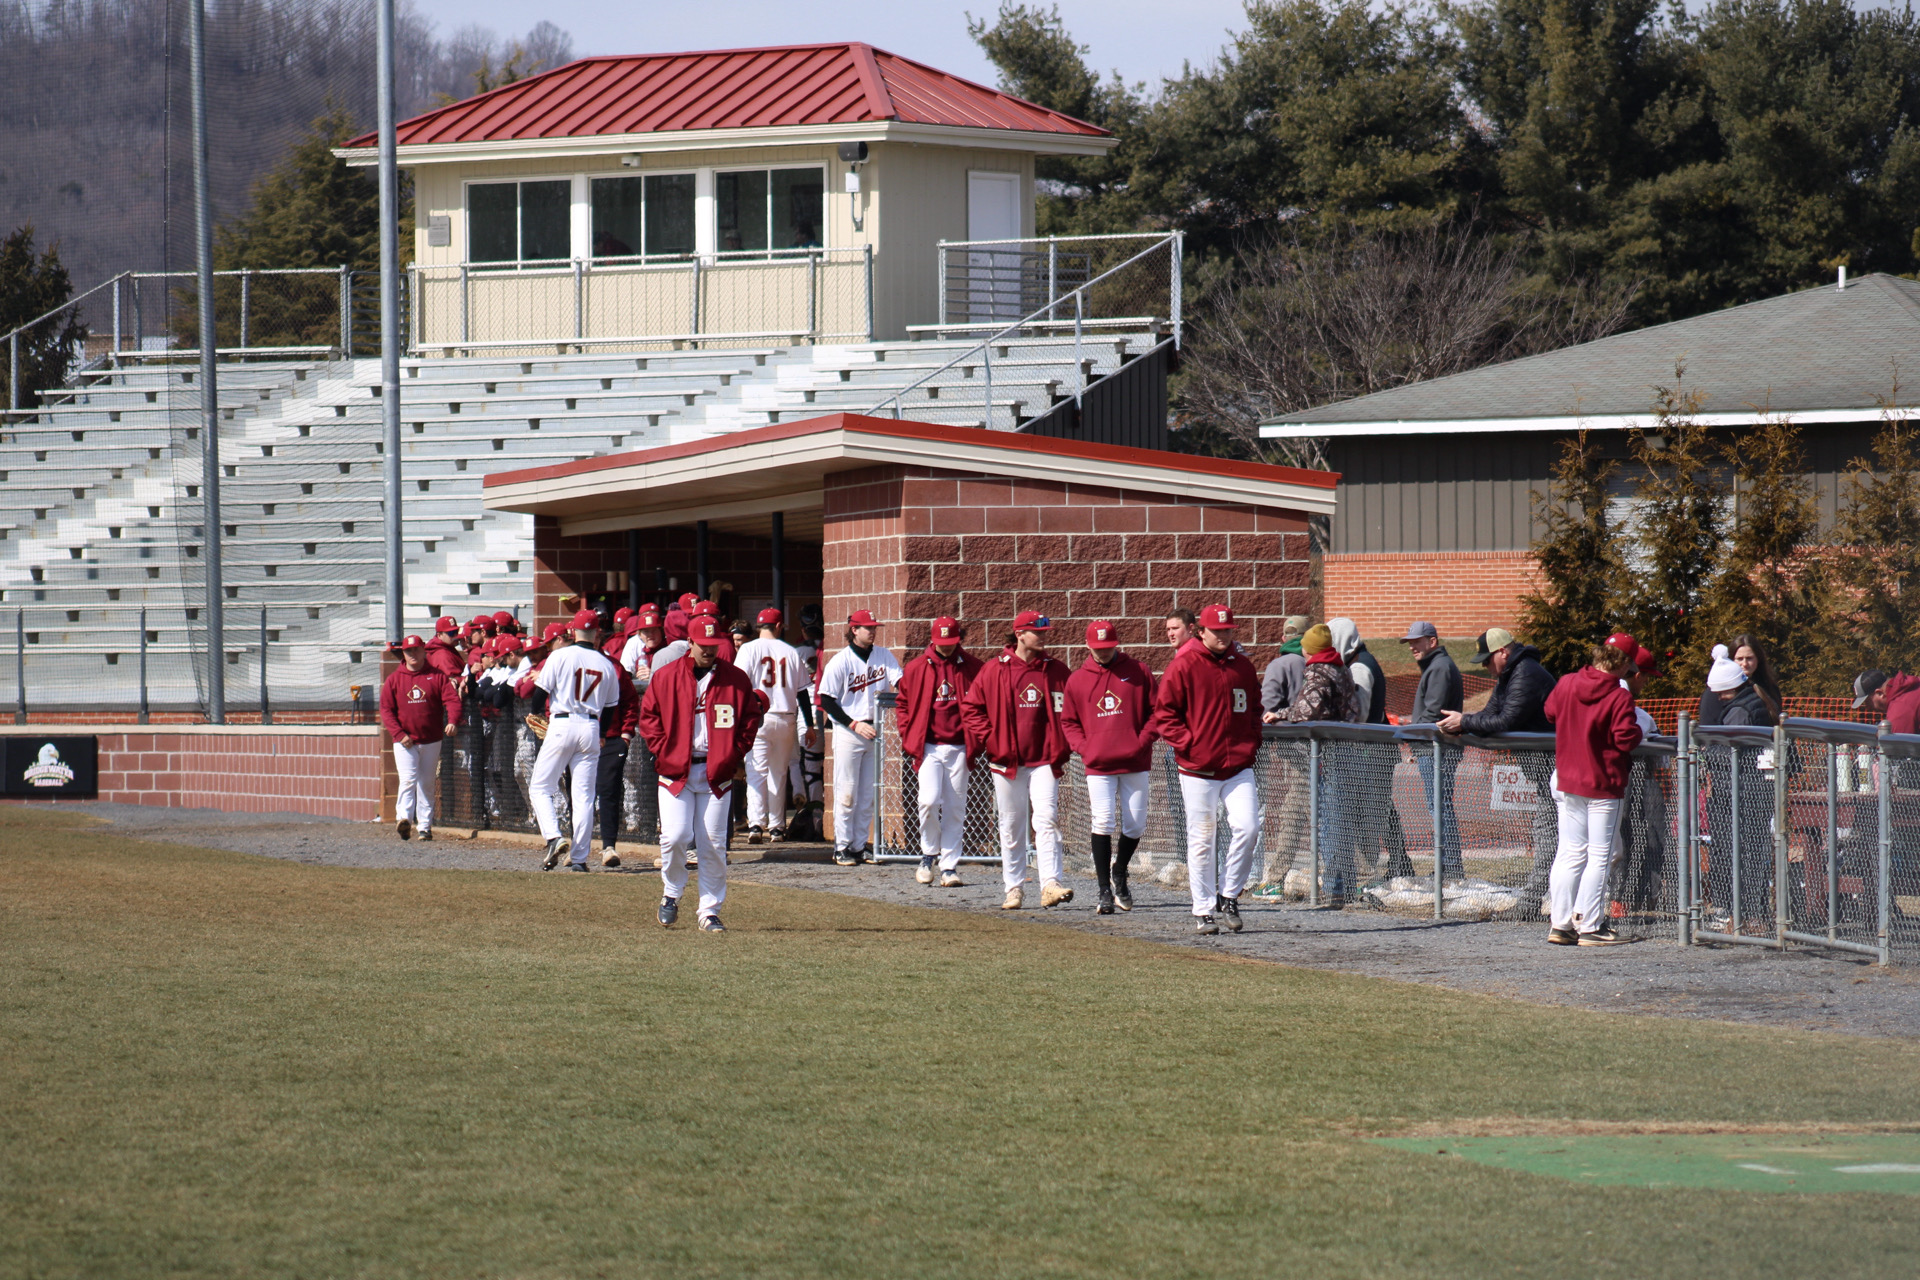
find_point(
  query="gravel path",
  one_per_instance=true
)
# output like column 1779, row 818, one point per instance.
column 1805, row 990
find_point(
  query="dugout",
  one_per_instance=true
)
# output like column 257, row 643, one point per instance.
column 915, row 520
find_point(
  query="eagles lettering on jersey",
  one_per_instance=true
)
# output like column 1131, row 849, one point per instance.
column 870, row 676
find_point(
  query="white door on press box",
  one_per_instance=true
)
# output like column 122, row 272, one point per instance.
column 993, row 277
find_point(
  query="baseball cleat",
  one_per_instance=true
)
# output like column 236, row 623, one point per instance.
column 1229, row 909
column 693, row 862
column 609, row 857
column 925, row 872
column 1122, row 898
column 1016, row 898
column 951, row 880
column 426, row 833
column 405, row 828
column 1053, row 893
column 845, row 858
column 1105, row 907
column 866, row 853
column 777, row 836
column 711, row 924
column 1205, row 924
column 1604, row 936
column 577, row 866
column 556, row 849
column 756, row 835
column 1562, row 937
column 669, row 911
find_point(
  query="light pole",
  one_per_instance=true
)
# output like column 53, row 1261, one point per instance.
column 209, row 379
column 390, row 324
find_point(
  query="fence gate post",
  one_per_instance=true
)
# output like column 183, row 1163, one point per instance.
column 1781, row 889
column 466, row 306
column 143, row 664
column 1438, row 881
column 1313, row 821
column 246, row 303
column 1733, row 834
column 880, row 787
column 1885, row 850
column 266, row 711
column 1833, row 838
column 346, row 312
column 13, row 371
column 579, row 299
column 1179, row 244
column 20, row 665
column 1689, row 810
column 1053, row 274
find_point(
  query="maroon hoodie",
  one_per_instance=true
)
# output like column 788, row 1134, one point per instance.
column 1109, row 715
column 1594, row 734
column 1903, row 703
column 1012, row 713
column 929, row 695
column 418, row 704
column 1208, row 710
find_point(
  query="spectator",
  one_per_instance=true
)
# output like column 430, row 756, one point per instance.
column 1894, row 698
column 1328, row 693
column 1370, row 768
column 1440, row 690
column 1277, row 689
column 1738, row 704
column 1594, row 737
column 1520, row 690
column 1752, row 659
column 1181, row 626
column 1284, row 674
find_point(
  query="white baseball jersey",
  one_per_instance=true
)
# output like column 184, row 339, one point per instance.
column 579, row 680
column 776, row 670
column 855, row 682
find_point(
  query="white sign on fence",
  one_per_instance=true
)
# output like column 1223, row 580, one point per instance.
column 1510, row 789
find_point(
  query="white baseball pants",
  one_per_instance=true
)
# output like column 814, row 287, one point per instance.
column 767, row 766
column 1577, row 886
column 1117, row 795
column 1031, row 794
column 573, row 743
column 696, row 819
column 856, row 764
column 419, row 769
column 943, row 802
column 1204, row 797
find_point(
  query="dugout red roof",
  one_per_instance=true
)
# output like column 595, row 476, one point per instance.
column 823, row 84
column 743, row 474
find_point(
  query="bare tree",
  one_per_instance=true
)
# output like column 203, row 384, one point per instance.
column 1295, row 323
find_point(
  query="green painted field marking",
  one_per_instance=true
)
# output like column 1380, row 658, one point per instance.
column 1798, row 1163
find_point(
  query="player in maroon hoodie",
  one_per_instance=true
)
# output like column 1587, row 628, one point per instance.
column 418, row 708
column 1594, row 735
column 1208, row 710
column 933, row 737
column 1109, row 722
column 1012, row 716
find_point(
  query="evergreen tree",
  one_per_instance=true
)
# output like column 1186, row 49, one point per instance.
column 1678, row 525
column 1578, row 552
column 1876, row 568
column 32, row 284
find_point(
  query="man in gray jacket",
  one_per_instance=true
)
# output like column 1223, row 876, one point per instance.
column 1439, row 691
column 1286, row 835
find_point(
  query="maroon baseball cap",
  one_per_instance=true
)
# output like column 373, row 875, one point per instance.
column 1217, row 617
column 583, row 619
column 1101, row 635
column 1625, row 643
column 445, row 625
column 1644, row 659
column 1030, row 620
column 769, row 618
column 704, row 630
column 504, row 645
column 686, row 601
column 945, row 629
column 621, row 614
column 553, row 632
column 647, row 617
column 503, row 619
column 862, row 618
column 705, row 609
column 411, row 642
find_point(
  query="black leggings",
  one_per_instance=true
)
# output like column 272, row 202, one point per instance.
column 611, row 787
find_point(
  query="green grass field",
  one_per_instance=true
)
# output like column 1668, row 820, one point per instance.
column 223, row 1065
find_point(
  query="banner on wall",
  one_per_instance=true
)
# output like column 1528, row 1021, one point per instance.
column 64, row 766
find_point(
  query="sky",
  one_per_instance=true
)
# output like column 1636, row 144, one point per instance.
column 1142, row 39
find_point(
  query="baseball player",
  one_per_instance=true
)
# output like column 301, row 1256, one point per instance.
column 699, row 716
column 775, row 669
column 418, row 707
column 1012, row 716
column 580, row 685
column 850, row 687
column 443, row 654
column 933, row 737
column 1208, row 709
column 1109, row 722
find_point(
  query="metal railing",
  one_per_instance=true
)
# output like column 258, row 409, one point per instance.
column 719, row 299
column 988, row 277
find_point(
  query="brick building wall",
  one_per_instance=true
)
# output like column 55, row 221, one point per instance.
column 1461, row 592
column 914, row 542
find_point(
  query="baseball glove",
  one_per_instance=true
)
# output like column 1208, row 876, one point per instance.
column 538, row 724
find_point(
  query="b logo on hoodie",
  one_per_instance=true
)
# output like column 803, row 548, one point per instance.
column 1239, row 701
column 723, row 715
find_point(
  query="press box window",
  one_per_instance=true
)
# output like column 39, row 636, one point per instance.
column 651, row 215
column 769, row 209
column 519, row 221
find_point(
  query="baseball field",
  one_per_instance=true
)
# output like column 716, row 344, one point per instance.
column 213, row 1064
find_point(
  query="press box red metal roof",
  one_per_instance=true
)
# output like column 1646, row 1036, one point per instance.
column 730, row 89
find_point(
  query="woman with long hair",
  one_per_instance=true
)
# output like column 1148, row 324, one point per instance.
column 1594, row 734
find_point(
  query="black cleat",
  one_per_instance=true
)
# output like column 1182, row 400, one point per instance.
column 669, row 912
column 1229, row 909
column 577, row 866
column 866, row 853
column 1122, row 897
column 845, row 858
column 711, row 924
column 405, row 828
column 1205, row 924
column 1105, row 908
column 426, row 834
column 756, row 835
column 556, row 850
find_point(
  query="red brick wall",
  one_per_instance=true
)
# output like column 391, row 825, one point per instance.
column 913, row 543
column 1461, row 592
column 333, row 774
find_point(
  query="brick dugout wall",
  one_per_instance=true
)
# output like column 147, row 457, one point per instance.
column 1461, row 592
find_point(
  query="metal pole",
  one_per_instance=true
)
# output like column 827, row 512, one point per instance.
column 1781, row 890
column 396, row 587
column 780, row 562
column 13, row 371
column 1438, row 848
column 246, row 302
column 986, row 352
column 266, row 711
column 700, row 559
column 940, row 285
column 1313, row 821
column 346, row 312
column 1053, row 274
column 813, row 296
column 20, row 665
column 695, row 328
column 466, row 306
column 579, row 298
column 1733, row 827
column 1684, row 863
column 869, row 260
column 1179, row 249
column 143, row 666
column 1833, row 838
column 116, row 321
column 1885, row 850
column 209, row 380
column 1079, row 363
